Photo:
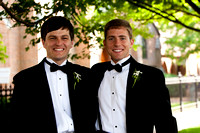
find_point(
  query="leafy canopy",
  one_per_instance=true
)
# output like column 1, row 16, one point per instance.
column 185, row 14
column 3, row 55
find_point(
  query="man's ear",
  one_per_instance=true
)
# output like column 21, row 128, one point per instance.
column 43, row 43
column 72, row 43
column 132, row 42
column 104, row 43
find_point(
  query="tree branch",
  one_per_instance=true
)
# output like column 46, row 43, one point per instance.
column 175, row 20
column 188, row 13
column 12, row 15
column 26, row 23
column 195, row 7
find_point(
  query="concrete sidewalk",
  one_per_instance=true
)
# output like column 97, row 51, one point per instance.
column 187, row 118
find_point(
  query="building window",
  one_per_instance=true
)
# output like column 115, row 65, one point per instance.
column 157, row 46
column 144, row 49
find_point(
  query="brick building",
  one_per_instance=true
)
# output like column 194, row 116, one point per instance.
column 18, row 58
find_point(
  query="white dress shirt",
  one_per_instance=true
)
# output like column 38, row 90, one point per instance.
column 60, row 96
column 112, row 99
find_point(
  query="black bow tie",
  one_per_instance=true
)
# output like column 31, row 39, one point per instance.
column 118, row 67
column 54, row 67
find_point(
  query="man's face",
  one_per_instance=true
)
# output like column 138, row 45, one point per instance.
column 118, row 43
column 57, row 44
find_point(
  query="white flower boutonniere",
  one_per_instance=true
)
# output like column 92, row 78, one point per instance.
column 136, row 76
column 77, row 78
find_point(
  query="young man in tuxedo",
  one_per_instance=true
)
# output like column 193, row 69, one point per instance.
column 131, row 97
column 47, row 96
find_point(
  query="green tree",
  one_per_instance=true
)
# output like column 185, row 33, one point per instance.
column 3, row 55
column 183, row 13
column 183, row 40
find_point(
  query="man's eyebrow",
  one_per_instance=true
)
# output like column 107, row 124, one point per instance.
column 122, row 36
column 65, row 35
column 110, row 36
column 117, row 36
column 56, row 35
column 51, row 36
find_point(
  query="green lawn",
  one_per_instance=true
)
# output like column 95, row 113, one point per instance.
column 178, row 104
column 191, row 130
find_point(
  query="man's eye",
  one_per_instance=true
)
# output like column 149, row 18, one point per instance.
column 52, row 38
column 110, row 38
column 123, row 38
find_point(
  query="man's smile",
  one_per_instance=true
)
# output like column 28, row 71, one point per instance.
column 117, row 50
column 58, row 49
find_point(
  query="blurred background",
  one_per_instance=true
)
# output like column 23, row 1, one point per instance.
column 166, row 34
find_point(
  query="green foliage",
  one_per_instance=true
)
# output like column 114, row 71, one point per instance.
column 184, row 40
column 3, row 55
column 190, row 130
column 169, row 75
column 185, row 14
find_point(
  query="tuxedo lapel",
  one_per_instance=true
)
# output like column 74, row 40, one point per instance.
column 70, row 80
column 44, row 93
column 133, row 94
column 130, row 80
column 71, row 87
column 98, row 74
column 77, row 77
column 43, row 82
column 135, row 74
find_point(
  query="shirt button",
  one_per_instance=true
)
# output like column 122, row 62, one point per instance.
column 115, row 126
column 59, row 78
column 113, row 109
column 60, row 94
column 113, row 93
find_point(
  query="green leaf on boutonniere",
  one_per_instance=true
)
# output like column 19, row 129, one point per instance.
column 136, row 76
column 77, row 78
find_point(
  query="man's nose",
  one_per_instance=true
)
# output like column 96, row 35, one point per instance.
column 117, row 42
column 59, row 41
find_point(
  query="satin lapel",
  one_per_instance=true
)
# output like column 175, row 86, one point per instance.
column 132, row 68
column 70, row 79
column 100, row 74
column 43, row 79
column 130, row 94
column 44, row 90
column 43, row 82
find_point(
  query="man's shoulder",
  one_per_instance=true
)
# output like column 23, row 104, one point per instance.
column 79, row 68
column 149, row 69
column 30, row 71
column 100, row 65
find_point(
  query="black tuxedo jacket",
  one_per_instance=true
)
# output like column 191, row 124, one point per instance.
column 32, row 107
column 147, row 102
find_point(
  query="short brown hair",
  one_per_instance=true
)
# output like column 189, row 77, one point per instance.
column 116, row 23
column 55, row 23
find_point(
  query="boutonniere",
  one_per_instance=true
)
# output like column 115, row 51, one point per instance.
column 77, row 78
column 136, row 76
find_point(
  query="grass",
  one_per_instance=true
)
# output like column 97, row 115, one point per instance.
column 178, row 104
column 190, row 130
column 169, row 75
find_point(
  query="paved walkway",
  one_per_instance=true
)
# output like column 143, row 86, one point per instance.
column 187, row 118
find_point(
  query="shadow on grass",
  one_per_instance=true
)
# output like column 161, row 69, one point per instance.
column 191, row 130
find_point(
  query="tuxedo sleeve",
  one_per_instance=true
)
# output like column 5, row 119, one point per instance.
column 164, row 122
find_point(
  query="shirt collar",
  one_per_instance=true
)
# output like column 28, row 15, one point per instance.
column 121, row 61
column 51, row 61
